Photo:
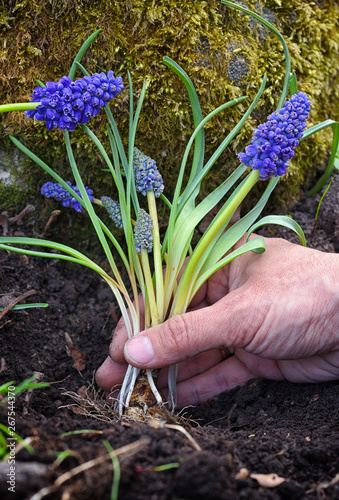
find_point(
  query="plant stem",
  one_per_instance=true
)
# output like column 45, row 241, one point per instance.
column 185, row 284
column 149, row 287
column 18, row 106
column 159, row 279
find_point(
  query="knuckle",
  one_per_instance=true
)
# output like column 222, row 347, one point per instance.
column 177, row 337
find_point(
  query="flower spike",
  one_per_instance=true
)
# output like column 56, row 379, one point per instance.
column 274, row 141
column 57, row 192
column 113, row 210
column 66, row 103
column 143, row 231
column 146, row 174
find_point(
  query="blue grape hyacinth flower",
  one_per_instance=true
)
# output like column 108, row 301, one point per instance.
column 274, row 141
column 57, row 192
column 66, row 103
column 143, row 231
column 146, row 174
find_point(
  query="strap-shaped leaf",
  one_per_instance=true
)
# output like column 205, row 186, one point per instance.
column 188, row 190
column 85, row 46
column 332, row 162
column 71, row 254
column 277, row 33
column 293, row 84
column 185, row 211
column 186, row 225
column 280, row 220
column 184, row 228
column 32, row 305
column 255, row 245
column 199, row 145
column 235, row 232
column 45, row 167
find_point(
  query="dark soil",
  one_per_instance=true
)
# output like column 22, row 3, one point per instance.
column 290, row 430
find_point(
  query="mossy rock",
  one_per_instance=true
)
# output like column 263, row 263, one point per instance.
column 224, row 52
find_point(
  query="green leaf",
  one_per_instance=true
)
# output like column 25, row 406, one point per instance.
column 188, row 190
column 293, row 84
column 255, row 245
column 20, row 307
column 29, row 383
column 72, row 255
column 22, row 441
column 199, row 145
column 285, row 48
column 45, row 167
column 4, row 387
column 321, row 200
column 116, row 470
column 234, row 233
column 186, row 210
column 82, row 52
column 81, row 431
column 185, row 226
column 117, row 178
column 26, row 384
column 332, row 162
column 91, row 213
column 280, row 220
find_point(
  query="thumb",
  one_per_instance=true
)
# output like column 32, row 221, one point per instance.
column 226, row 323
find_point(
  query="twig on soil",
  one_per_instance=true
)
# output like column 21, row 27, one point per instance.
column 322, row 486
column 16, row 301
column 53, row 215
column 6, row 221
column 18, row 218
column 129, row 449
column 156, row 424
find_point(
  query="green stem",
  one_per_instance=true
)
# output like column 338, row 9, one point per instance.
column 159, row 279
column 18, row 106
column 149, row 287
column 186, row 279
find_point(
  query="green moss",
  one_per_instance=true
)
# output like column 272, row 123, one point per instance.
column 209, row 40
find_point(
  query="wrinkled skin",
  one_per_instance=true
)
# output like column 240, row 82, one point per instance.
column 277, row 313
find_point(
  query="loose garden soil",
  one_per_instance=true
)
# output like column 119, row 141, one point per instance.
column 288, row 430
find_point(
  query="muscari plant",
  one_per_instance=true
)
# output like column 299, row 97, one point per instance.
column 153, row 265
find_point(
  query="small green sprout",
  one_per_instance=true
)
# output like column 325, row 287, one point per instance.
column 116, row 471
column 319, row 205
column 9, row 392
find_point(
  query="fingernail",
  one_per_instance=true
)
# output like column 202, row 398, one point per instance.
column 140, row 350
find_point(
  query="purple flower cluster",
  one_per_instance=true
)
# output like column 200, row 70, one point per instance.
column 143, row 231
column 146, row 174
column 113, row 210
column 66, row 103
column 274, row 141
column 57, row 192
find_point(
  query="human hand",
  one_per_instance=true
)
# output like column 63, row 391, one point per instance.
column 277, row 312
